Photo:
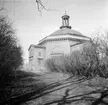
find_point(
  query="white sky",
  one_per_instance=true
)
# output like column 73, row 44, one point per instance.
column 86, row 16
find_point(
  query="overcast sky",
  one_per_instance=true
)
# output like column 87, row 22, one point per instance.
column 86, row 16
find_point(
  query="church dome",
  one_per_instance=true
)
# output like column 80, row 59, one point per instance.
column 65, row 32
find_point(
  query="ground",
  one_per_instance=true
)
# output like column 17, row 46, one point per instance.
column 45, row 85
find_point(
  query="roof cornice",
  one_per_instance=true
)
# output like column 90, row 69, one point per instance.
column 66, row 38
column 36, row 46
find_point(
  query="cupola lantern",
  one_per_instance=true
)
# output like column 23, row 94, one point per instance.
column 65, row 21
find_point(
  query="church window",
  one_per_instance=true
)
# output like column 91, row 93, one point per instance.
column 39, row 53
column 57, row 51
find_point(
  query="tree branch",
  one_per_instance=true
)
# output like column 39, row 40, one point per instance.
column 41, row 7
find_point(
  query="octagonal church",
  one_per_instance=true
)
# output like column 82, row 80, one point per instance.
column 61, row 42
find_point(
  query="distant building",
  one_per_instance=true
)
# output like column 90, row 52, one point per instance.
column 61, row 42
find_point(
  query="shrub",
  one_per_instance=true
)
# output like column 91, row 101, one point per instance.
column 87, row 62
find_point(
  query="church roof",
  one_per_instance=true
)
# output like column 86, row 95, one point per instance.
column 35, row 46
column 67, row 31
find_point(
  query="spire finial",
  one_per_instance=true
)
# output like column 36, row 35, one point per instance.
column 65, row 12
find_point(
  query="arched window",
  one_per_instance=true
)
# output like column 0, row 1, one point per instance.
column 57, row 51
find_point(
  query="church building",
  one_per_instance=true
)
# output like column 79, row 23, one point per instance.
column 61, row 42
